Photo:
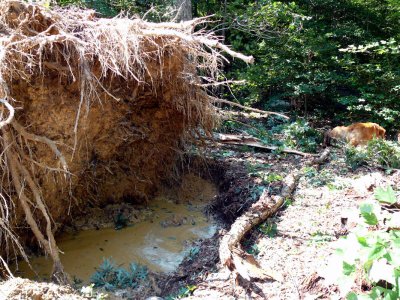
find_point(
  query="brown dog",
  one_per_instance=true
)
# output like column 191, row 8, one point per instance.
column 355, row 134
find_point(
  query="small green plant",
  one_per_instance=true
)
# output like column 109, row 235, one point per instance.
column 378, row 152
column 288, row 202
column 272, row 177
column 301, row 136
column 253, row 249
column 319, row 237
column 269, row 229
column 317, row 179
column 371, row 252
column 111, row 277
column 183, row 292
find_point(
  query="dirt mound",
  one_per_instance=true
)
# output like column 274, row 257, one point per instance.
column 93, row 111
column 19, row 289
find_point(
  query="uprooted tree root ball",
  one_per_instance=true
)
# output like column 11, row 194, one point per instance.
column 93, row 111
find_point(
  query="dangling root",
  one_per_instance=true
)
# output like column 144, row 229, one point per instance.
column 230, row 252
column 42, row 139
column 11, row 113
column 20, row 174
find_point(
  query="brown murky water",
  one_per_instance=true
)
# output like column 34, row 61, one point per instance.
column 160, row 243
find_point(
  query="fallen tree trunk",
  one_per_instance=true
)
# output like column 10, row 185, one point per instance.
column 246, row 140
column 230, row 251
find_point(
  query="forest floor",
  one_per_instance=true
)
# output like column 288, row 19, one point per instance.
column 297, row 242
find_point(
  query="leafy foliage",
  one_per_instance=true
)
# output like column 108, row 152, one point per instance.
column 371, row 251
column 378, row 152
column 112, row 277
column 295, row 135
column 321, row 54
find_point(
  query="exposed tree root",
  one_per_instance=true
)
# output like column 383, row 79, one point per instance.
column 230, row 252
column 41, row 139
column 19, row 175
column 5, row 265
column 93, row 56
column 10, row 115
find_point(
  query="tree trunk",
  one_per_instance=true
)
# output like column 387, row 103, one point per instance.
column 184, row 10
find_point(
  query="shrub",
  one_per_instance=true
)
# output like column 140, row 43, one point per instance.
column 299, row 135
column 378, row 152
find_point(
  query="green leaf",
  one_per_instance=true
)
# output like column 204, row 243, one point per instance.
column 380, row 291
column 367, row 212
column 370, row 218
column 377, row 252
column 348, row 268
column 363, row 241
column 385, row 195
column 352, row 296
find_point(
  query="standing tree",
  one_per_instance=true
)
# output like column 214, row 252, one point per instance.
column 184, row 10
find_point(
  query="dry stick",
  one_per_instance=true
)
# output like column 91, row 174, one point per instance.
column 49, row 245
column 321, row 159
column 249, row 108
column 230, row 252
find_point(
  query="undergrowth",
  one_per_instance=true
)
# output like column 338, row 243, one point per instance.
column 298, row 135
column 377, row 153
column 112, row 277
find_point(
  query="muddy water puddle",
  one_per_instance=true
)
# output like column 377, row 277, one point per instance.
column 160, row 243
